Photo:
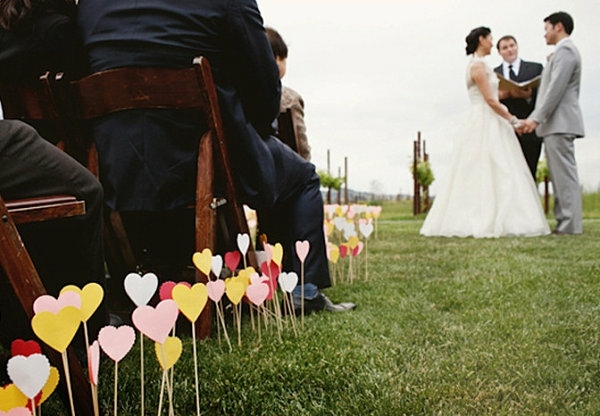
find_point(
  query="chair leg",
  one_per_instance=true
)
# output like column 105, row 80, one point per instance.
column 26, row 283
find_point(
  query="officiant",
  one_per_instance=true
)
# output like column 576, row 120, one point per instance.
column 520, row 101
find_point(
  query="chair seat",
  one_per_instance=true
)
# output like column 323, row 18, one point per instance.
column 44, row 208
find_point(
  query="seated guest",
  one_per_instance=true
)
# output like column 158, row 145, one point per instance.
column 65, row 251
column 37, row 36
column 148, row 158
column 290, row 99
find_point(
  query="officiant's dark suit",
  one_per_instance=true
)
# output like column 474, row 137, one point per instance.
column 531, row 144
column 147, row 158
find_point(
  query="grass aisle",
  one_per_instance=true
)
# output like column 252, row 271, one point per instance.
column 443, row 327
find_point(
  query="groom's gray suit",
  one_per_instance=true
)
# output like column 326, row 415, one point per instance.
column 559, row 116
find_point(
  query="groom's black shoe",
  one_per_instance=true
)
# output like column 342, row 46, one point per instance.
column 320, row 303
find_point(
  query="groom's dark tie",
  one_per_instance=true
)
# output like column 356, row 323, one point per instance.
column 511, row 73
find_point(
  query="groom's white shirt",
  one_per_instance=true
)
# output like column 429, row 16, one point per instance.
column 557, row 108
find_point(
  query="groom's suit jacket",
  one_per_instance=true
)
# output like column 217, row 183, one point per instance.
column 557, row 109
column 521, row 107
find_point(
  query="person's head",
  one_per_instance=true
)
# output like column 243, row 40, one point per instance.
column 18, row 15
column 280, row 50
column 480, row 40
column 508, row 48
column 557, row 26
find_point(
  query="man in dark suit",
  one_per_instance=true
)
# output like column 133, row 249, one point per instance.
column 148, row 158
column 520, row 102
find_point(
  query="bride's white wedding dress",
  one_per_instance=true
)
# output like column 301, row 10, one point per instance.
column 489, row 191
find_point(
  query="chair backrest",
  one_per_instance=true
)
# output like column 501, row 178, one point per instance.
column 286, row 129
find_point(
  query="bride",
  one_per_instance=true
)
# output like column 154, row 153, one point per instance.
column 489, row 191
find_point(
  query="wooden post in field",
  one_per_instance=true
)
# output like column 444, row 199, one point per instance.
column 329, row 173
column 339, row 191
column 425, row 188
column 546, row 196
column 417, row 188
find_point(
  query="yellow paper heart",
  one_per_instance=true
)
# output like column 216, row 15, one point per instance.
column 277, row 254
column 11, row 397
column 334, row 254
column 190, row 301
column 203, row 261
column 245, row 274
column 91, row 297
column 57, row 330
column 50, row 385
column 235, row 288
column 353, row 242
column 172, row 351
column 329, row 227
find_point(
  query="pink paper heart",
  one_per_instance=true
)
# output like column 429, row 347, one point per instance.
column 94, row 362
column 257, row 293
column 156, row 323
column 215, row 289
column 25, row 348
column 302, row 248
column 116, row 342
column 16, row 411
column 29, row 374
column 48, row 303
column 232, row 260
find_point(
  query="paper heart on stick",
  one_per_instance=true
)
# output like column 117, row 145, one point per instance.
column 116, row 342
column 343, row 249
column 26, row 348
column 366, row 229
column 243, row 242
column 16, row 411
column 29, row 374
column 11, row 397
column 172, row 351
column 94, row 362
column 191, row 301
column 57, row 330
column 203, row 261
column 358, row 249
column 140, row 289
column 353, row 242
column 277, row 254
column 328, row 228
column 333, row 253
column 48, row 303
column 257, row 293
column 339, row 223
column 156, row 323
column 302, row 248
column 288, row 281
column 235, row 288
column 48, row 388
column 216, row 265
column 215, row 290
column 232, row 260
column 270, row 269
column 91, row 297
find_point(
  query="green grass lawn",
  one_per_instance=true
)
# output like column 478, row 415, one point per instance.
column 444, row 326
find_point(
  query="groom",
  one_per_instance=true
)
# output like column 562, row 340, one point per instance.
column 520, row 102
column 557, row 118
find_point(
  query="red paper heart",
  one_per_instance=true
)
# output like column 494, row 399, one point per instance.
column 343, row 250
column 25, row 348
column 232, row 260
column 270, row 269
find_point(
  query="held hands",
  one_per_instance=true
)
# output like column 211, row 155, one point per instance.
column 527, row 126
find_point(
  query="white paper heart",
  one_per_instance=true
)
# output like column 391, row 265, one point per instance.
column 216, row 265
column 287, row 281
column 339, row 223
column 366, row 229
column 29, row 374
column 243, row 242
column 140, row 289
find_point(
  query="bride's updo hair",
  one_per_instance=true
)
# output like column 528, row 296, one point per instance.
column 472, row 38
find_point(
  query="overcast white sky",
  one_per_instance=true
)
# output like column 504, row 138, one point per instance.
column 374, row 73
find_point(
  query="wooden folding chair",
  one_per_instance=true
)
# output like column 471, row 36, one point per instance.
column 121, row 89
column 286, row 131
column 23, row 276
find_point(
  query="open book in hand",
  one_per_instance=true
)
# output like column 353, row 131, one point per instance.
column 509, row 84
